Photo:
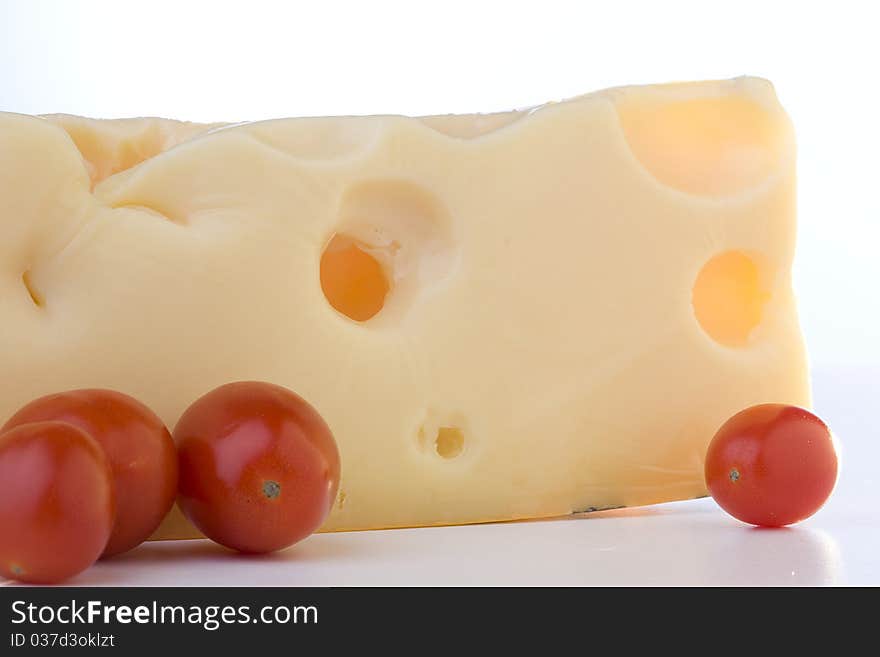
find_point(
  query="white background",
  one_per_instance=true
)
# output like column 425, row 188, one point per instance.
column 224, row 61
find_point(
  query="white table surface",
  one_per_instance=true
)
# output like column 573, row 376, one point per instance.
column 681, row 543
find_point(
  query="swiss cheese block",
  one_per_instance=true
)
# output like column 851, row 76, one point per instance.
column 516, row 315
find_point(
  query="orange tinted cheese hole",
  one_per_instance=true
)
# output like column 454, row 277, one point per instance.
column 705, row 146
column 728, row 298
column 353, row 281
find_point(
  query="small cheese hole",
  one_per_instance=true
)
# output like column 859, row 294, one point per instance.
column 728, row 298
column 471, row 126
column 449, row 442
column 353, row 281
column 36, row 297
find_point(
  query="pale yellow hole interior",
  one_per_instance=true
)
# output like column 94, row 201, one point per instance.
column 705, row 146
column 729, row 298
column 449, row 442
column 353, row 281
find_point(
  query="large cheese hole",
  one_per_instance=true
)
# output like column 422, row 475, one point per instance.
column 393, row 248
column 353, row 280
column 728, row 298
column 704, row 146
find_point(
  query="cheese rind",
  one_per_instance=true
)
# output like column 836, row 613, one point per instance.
column 554, row 338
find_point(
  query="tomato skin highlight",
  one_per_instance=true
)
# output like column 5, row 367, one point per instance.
column 771, row 465
column 139, row 447
column 57, row 502
column 259, row 468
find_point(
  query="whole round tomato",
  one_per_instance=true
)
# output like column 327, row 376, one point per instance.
column 56, row 502
column 259, row 468
column 771, row 465
column 138, row 446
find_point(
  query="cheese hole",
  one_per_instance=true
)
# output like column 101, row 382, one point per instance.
column 110, row 146
column 353, row 281
column 392, row 249
column 36, row 297
column 705, row 146
column 471, row 126
column 449, row 442
column 728, row 298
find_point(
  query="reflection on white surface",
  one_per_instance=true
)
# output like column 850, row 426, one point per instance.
column 687, row 543
column 775, row 557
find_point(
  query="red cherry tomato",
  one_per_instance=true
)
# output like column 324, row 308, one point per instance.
column 138, row 446
column 771, row 465
column 56, row 502
column 259, row 468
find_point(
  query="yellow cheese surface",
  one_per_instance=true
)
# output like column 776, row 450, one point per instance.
column 501, row 316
